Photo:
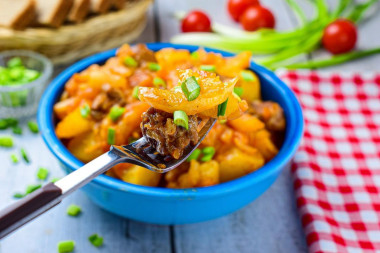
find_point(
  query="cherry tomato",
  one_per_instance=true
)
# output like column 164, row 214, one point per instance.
column 196, row 21
column 256, row 17
column 340, row 36
column 237, row 7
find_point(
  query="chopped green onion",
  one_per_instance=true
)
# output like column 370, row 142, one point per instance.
column 154, row 66
column 42, row 173
column 17, row 130
column 31, row 75
column 14, row 62
column 85, row 111
column 191, row 88
column 247, row 75
column 14, row 158
column 96, row 240
column 6, row 141
column 31, row 188
column 24, row 155
column 222, row 121
column 3, row 124
column 18, row 195
column 135, row 92
column 74, row 210
column 33, row 127
column 194, row 55
column 177, row 88
column 66, row 246
column 209, row 68
column 116, row 112
column 239, row 91
column 208, row 151
column 54, row 180
column 111, row 136
column 17, row 73
column 181, row 119
column 206, row 158
column 12, row 122
column 159, row 82
column 222, row 108
column 130, row 62
column 194, row 155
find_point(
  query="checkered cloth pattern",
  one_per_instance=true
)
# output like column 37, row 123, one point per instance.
column 337, row 168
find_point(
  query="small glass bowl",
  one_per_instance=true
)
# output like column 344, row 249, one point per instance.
column 18, row 101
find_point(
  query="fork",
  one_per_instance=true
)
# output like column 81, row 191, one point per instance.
column 50, row 195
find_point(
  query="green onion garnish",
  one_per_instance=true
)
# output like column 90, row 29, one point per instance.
column 191, row 88
column 17, row 130
column 208, row 154
column 18, row 195
column 209, row 68
column 159, row 82
column 206, row 158
column 247, row 75
column 31, row 188
column 194, row 156
column 85, row 111
column 74, row 210
column 96, row 240
column 116, row 112
column 181, row 119
column 130, row 62
column 14, row 62
column 31, row 75
column 222, row 108
column 14, row 158
column 135, row 92
column 9, row 122
column 3, row 124
column 24, row 155
column 239, row 91
column 42, row 173
column 33, row 127
column 54, row 180
column 111, row 136
column 6, row 141
column 194, row 55
column 66, row 246
column 177, row 88
column 154, row 66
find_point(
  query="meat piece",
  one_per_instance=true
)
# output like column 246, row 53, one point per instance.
column 100, row 6
column 79, row 11
column 166, row 137
column 270, row 113
column 53, row 12
column 103, row 102
column 17, row 14
column 142, row 54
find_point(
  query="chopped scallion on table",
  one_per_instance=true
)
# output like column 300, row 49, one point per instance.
column 135, row 92
column 14, row 158
column 17, row 130
column 85, row 111
column 96, row 240
column 33, row 127
column 3, row 124
column 239, row 91
column 181, row 119
column 18, row 195
column 159, row 82
column 247, row 76
column 54, row 180
column 222, row 108
column 66, row 246
column 111, row 136
column 191, row 88
column 6, row 141
column 130, row 62
column 24, row 155
column 154, row 66
column 42, row 173
column 209, row 68
column 116, row 112
column 194, row 155
column 31, row 188
column 74, row 210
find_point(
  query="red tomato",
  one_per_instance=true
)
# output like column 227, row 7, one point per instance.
column 237, row 7
column 256, row 17
column 196, row 21
column 340, row 36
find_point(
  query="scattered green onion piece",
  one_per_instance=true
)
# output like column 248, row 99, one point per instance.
column 33, row 127
column 222, row 108
column 24, row 155
column 85, row 111
column 194, row 155
column 208, row 151
column 3, row 124
column 154, row 66
column 191, row 88
column 222, row 121
column 159, row 82
column 206, row 158
column 194, row 55
column 135, row 92
column 111, row 136
column 66, row 246
column 130, row 62
column 42, row 173
column 14, row 62
column 31, row 75
column 181, row 119
column 17, row 130
column 12, row 122
column 116, row 112
column 74, row 210
column 14, row 158
column 247, row 76
column 31, row 188
column 54, row 179
column 6, row 141
column 18, row 195
column 239, row 91
column 209, row 68
column 96, row 240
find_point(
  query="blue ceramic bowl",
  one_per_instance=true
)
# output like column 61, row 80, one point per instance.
column 177, row 206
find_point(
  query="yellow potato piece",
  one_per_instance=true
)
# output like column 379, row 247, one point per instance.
column 141, row 176
column 251, row 89
column 72, row 125
column 85, row 147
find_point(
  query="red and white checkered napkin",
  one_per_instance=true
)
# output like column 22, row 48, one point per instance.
column 337, row 169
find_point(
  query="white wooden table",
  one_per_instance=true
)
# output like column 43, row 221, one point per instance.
column 269, row 224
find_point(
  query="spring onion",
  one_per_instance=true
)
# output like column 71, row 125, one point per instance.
column 194, row 55
column 181, row 119
column 154, row 66
column 24, row 155
column 18, row 195
column 14, row 62
column 6, row 141
column 191, row 88
column 3, row 124
column 31, row 188
column 111, row 136
column 116, row 113
column 239, row 91
column 55, row 179
column 135, row 92
column 74, row 210
column 96, row 240
column 247, row 76
column 222, row 108
column 17, row 130
column 42, row 173
column 194, row 155
column 208, row 154
column 209, row 68
column 66, row 246
column 85, row 111
column 33, row 127
column 159, row 82
column 14, row 158
column 130, row 62
column 8, row 122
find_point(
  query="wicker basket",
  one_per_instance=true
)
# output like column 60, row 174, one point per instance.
column 71, row 42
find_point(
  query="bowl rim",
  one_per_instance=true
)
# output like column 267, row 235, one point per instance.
column 292, row 140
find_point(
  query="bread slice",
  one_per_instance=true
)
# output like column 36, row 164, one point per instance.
column 53, row 12
column 17, row 14
column 100, row 6
column 118, row 4
column 79, row 10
